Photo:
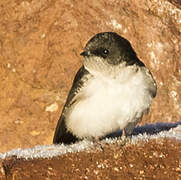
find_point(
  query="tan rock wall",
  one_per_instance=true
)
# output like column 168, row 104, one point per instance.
column 40, row 43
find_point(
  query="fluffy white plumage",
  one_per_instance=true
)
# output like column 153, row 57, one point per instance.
column 109, row 104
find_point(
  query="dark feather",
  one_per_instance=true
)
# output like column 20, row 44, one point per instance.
column 62, row 135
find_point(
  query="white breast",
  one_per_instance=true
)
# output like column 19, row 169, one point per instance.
column 109, row 104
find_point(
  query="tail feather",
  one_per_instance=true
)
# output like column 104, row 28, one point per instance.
column 62, row 135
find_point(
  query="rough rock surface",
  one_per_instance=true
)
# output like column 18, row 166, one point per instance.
column 40, row 42
column 155, row 159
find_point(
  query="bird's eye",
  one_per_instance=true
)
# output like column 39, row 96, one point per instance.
column 105, row 51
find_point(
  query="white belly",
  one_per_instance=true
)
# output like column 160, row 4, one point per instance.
column 108, row 105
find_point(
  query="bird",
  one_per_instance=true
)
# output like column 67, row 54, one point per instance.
column 111, row 91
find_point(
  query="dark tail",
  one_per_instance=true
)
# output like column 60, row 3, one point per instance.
column 62, row 135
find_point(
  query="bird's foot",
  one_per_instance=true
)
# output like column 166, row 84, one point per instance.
column 125, row 139
column 98, row 144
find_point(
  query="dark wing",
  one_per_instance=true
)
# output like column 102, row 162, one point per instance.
column 153, row 86
column 61, row 134
column 150, row 80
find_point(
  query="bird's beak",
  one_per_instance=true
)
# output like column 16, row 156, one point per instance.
column 85, row 53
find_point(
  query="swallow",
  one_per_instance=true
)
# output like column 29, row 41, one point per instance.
column 112, row 90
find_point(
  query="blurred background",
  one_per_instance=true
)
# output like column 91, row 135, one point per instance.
column 40, row 43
